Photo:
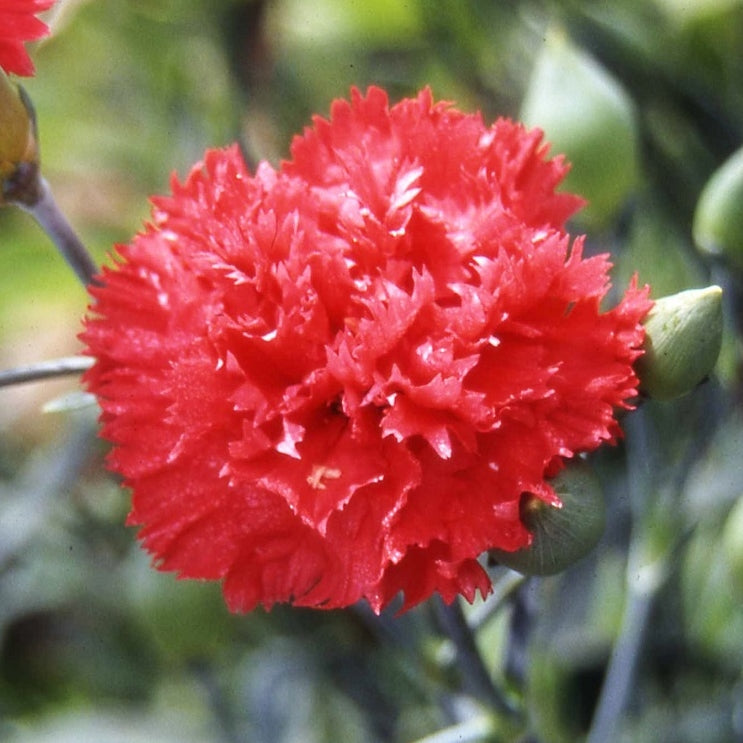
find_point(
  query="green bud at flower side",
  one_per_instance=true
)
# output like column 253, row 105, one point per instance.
column 587, row 116
column 718, row 219
column 560, row 535
column 682, row 342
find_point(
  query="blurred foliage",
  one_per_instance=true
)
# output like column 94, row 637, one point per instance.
column 95, row 646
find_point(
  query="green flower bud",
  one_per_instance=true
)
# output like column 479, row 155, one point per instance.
column 560, row 535
column 682, row 342
column 585, row 114
column 718, row 219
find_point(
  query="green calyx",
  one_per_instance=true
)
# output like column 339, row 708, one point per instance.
column 560, row 535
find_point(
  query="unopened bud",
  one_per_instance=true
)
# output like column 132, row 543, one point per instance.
column 718, row 219
column 19, row 154
column 586, row 115
column 683, row 335
column 560, row 535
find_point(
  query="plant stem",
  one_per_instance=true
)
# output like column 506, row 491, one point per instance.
column 474, row 672
column 643, row 578
column 45, row 369
column 47, row 213
column 219, row 704
column 622, row 666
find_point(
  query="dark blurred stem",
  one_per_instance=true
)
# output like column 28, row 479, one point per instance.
column 47, row 213
column 474, row 672
column 45, row 370
column 206, row 675
column 643, row 580
column 622, row 666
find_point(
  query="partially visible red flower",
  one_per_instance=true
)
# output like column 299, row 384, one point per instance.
column 19, row 24
column 334, row 381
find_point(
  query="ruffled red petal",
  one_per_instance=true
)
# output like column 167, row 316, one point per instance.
column 18, row 24
column 334, row 381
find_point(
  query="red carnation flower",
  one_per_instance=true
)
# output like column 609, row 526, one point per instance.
column 18, row 24
column 334, row 381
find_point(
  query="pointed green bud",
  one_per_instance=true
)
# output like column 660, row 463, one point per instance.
column 586, row 115
column 560, row 535
column 718, row 219
column 682, row 342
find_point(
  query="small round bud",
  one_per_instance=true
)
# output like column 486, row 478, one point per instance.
column 718, row 219
column 682, row 342
column 561, row 535
column 587, row 116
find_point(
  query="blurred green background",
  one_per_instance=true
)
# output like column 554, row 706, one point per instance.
column 646, row 98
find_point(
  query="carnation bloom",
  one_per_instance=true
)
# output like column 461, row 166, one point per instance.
column 335, row 381
column 18, row 24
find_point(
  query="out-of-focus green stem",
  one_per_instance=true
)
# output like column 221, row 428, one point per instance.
column 22, row 184
column 642, row 587
column 474, row 672
column 224, row 717
column 45, row 370
column 47, row 213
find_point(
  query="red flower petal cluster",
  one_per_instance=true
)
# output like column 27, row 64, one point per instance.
column 18, row 24
column 334, row 381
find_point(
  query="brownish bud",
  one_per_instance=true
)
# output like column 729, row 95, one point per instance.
column 19, row 152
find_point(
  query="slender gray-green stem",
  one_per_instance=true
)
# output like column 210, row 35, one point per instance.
column 623, row 663
column 204, row 672
column 47, row 213
column 645, row 574
column 64, row 366
column 475, row 675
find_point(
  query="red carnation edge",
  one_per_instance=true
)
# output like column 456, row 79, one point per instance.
column 19, row 26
